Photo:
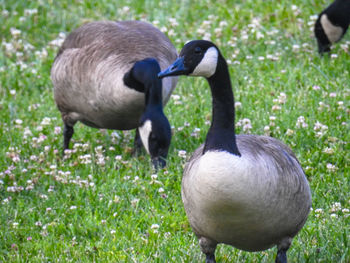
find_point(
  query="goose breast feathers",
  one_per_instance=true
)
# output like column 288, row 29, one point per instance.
column 251, row 201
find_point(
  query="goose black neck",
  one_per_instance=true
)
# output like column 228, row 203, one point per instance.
column 153, row 93
column 221, row 135
column 143, row 77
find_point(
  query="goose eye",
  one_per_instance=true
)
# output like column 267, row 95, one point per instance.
column 197, row 50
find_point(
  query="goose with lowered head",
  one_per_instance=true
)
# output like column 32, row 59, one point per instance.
column 332, row 24
column 246, row 191
column 105, row 76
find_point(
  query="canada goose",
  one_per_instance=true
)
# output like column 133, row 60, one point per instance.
column 247, row 191
column 95, row 83
column 332, row 24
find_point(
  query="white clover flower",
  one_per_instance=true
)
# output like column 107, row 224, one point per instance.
column 267, row 130
column 46, row 121
column 313, row 17
column 135, row 201
column 340, row 105
column 207, row 36
column 328, row 150
column 331, row 167
column 57, row 130
column 276, row 108
column 163, row 29
column 173, row 22
column 320, row 129
column 113, row 232
column 56, row 42
column 5, row 13
column 238, row 105
column 295, row 48
column 29, row 12
column 301, row 122
column 18, row 122
column 319, row 210
column 171, row 33
column 154, row 226
column 85, row 159
column 272, row 118
column 223, row 24
column 334, row 216
column 73, row 207
column 336, row 207
column 42, row 196
column 259, row 35
column 182, row 153
column 282, row 98
column 15, row 32
column 289, row 132
column 245, row 123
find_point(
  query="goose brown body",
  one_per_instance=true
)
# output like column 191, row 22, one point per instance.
column 88, row 72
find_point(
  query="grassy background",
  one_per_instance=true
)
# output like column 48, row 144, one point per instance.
column 102, row 205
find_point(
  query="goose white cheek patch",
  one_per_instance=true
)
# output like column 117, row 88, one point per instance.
column 145, row 131
column 332, row 32
column 207, row 66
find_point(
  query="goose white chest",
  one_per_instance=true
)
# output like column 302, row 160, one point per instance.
column 237, row 200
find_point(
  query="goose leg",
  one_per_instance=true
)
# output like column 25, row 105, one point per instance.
column 281, row 256
column 208, row 247
column 282, row 250
column 210, row 258
column 67, row 135
column 137, row 144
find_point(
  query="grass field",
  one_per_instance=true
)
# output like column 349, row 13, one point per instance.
column 100, row 204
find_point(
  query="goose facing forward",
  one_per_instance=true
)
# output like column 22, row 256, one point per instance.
column 247, row 191
column 94, row 81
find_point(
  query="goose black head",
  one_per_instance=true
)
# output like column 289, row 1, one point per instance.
column 331, row 25
column 141, row 74
column 155, row 135
column 197, row 58
column 154, row 127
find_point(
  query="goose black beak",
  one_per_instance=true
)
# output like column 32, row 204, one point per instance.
column 175, row 69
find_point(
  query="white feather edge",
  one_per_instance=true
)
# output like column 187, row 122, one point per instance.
column 207, row 66
column 332, row 32
column 145, row 130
